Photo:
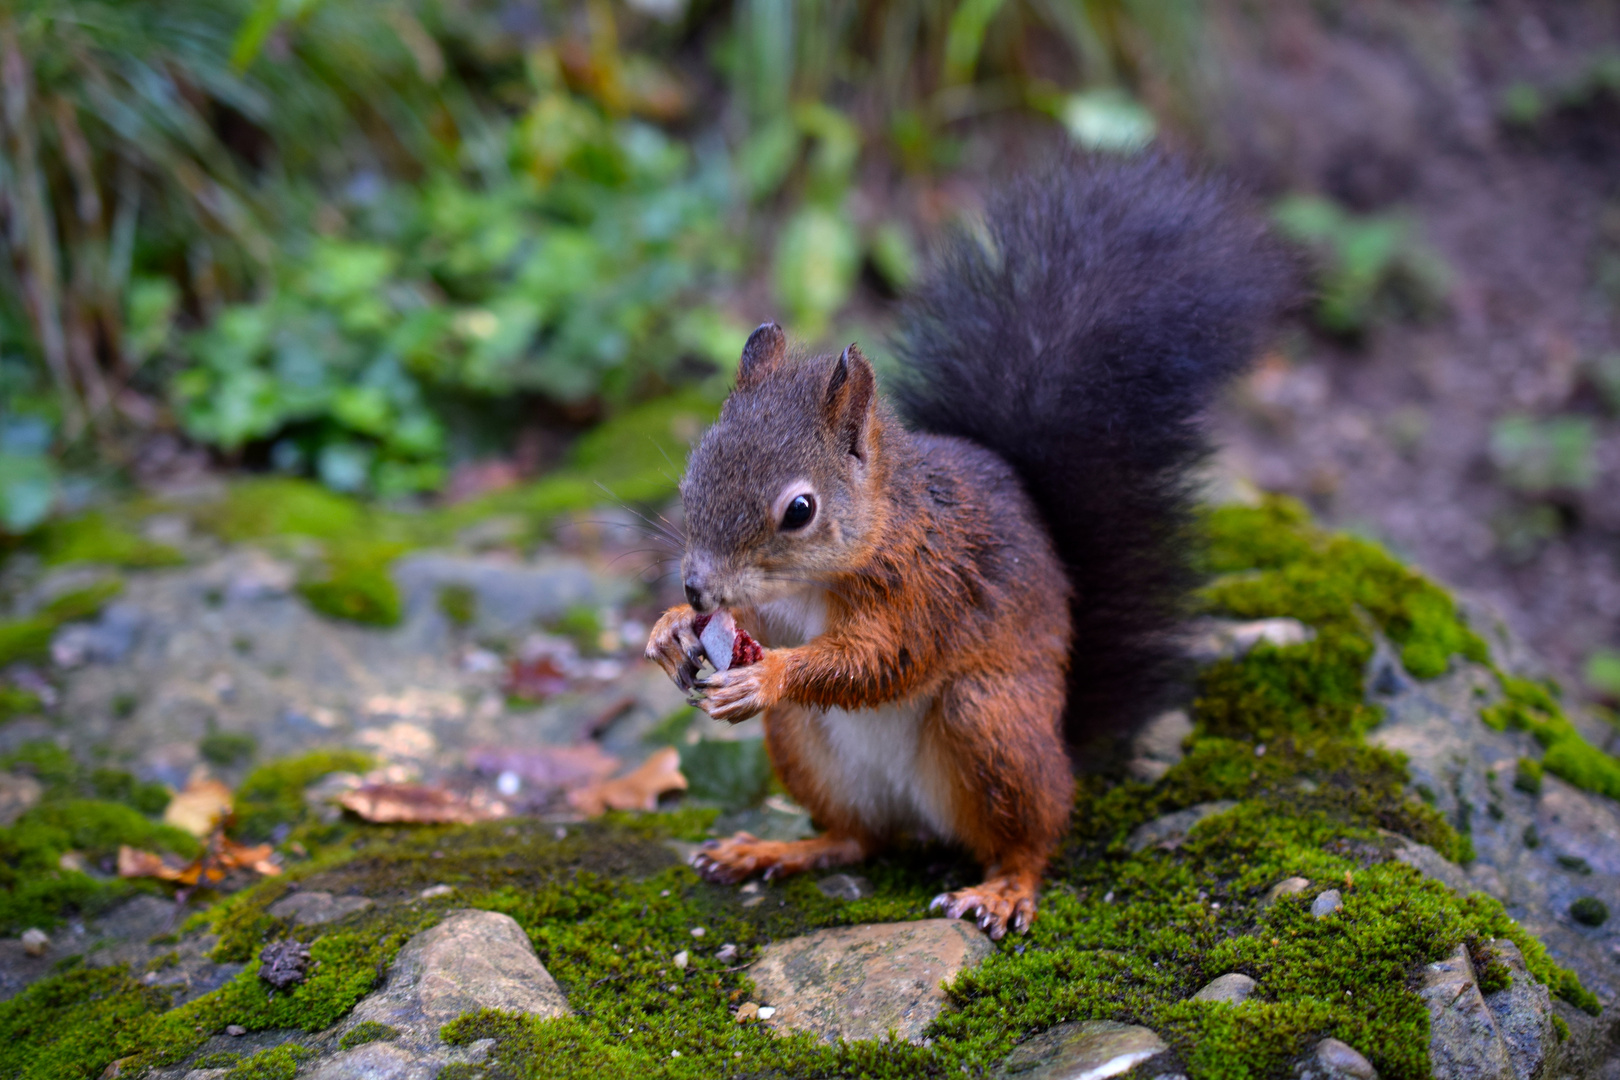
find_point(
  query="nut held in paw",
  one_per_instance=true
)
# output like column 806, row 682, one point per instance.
column 726, row 644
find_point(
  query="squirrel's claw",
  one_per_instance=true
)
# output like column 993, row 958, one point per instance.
column 998, row 905
column 737, row 694
column 674, row 646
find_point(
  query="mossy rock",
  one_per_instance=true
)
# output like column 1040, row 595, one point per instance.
column 1121, row 936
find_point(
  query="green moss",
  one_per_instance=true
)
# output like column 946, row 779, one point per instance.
column 582, row 625
column 367, row 1031
column 226, row 748
column 256, row 509
column 1120, row 936
column 1527, row 776
column 16, row 702
column 1528, row 706
column 83, row 603
column 96, row 537
column 355, row 584
column 29, row 638
column 459, row 604
column 224, row 1059
column 25, row 639
column 36, row 891
column 1589, row 911
column 273, row 794
column 277, row 1063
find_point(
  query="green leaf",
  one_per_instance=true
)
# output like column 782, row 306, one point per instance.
column 27, row 491
column 815, row 266
column 964, row 37
column 1109, row 120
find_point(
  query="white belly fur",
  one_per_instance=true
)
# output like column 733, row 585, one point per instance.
column 878, row 761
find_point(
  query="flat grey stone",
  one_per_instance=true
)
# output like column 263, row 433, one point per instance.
column 1087, row 1050
column 1326, row 903
column 1228, row 639
column 1331, row 1059
column 1464, row 1041
column 315, row 907
column 1169, row 831
column 1233, row 988
column 376, row 1061
column 857, row 982
column 1524, row 1014
column 472, row 960
column 1157, row 747
column 1431, row 864
column 844, row 887
column 512, row 598
column 1286, row 887
column 17, row 795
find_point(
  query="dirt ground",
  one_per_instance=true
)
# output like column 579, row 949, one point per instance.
column 1399, row 107
column 1403, row 110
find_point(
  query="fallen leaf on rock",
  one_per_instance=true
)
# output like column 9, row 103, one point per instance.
column 637, row 791
column 417, row 804
column 547, row 766
column 220, row 855
column 535, row 679
column 200, row 807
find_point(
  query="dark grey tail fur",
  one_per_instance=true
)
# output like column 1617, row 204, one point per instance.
column 1083, row 343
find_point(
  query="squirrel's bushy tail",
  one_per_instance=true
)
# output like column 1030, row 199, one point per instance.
column 1081, row 336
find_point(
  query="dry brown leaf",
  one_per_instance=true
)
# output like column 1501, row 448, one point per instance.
column 200, row 807
column 134, row 863
column 547, row 766
column 417, row 804
column 220, row 854
column 638, row 790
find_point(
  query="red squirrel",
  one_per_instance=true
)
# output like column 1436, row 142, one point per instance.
column 952, row 588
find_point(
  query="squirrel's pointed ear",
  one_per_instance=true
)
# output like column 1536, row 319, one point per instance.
column 850, row 395
column 765, row 349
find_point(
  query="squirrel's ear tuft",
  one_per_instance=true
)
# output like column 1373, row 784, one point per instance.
column 765, row 349
column 850, row 394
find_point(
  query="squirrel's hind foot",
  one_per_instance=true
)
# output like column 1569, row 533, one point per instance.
column 738, row 857
column 1005, row 902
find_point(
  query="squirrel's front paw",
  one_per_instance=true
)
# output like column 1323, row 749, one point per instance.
column 674, row 646
column 742, row 692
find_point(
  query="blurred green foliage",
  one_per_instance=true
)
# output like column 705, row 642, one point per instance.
column 1369, row 267
column 1542, row 456
column 334, row 238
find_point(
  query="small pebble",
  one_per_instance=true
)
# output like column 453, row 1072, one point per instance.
column 747, row 1011
column 681, row 959
column 750, row 888
column 727, row 953
column 753, row 900
column 1326, row 903
column 698, row 931
column 235, row 1030
column 34, row 941
column 1286, row 887
column 436, row 890
column 767, row 1011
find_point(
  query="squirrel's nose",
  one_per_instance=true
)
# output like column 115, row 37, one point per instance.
column 701, row 600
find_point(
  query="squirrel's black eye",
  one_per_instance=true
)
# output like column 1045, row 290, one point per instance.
column 799, row 512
